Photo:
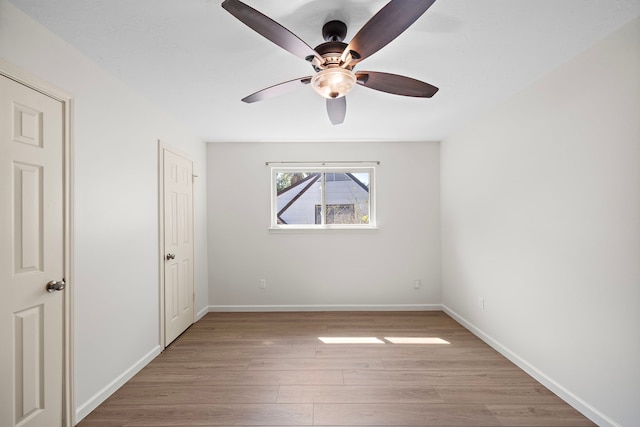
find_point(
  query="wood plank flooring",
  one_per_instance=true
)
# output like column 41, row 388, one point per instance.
column 271, row 369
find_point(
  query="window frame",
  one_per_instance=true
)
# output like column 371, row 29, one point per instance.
column 323, row 169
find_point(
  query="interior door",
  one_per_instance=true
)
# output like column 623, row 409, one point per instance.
column 178, row 245
column 31, row 257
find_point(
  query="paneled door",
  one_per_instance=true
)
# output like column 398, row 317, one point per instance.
column 178, row 245
column 31, row 257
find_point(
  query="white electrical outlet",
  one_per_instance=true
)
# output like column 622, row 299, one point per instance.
column 263, row 283
column 481, row 303
column 417, row 284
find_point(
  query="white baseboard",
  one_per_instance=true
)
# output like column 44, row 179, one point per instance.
column 200, row 314
column 580, row 405
column 337, row 307
column 85, row 409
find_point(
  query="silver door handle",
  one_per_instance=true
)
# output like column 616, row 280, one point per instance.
column 171, row 256
column 54, row 286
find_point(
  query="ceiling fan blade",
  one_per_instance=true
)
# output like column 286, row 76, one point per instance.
column 391, row 21
column 337, row 109
column 269, row 28
column 276, row 90
column 395, row 84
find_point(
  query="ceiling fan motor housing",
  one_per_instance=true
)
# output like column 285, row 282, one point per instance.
column 331, row 53
column 333, row 49
column 334, row 31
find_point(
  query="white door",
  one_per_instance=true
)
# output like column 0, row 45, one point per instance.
column 31, row 255
column 178, row 245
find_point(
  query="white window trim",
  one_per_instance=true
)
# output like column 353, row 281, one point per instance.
column 325, row 168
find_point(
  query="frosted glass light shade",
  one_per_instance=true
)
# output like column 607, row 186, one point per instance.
column 333, row 82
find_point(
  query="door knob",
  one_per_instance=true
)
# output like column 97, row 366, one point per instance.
column 171, row 256
column 54, row 286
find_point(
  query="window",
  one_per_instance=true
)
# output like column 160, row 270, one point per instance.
column 322, row 197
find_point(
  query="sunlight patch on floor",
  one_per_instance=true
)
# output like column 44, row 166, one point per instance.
column 408, row 340
column 374, row 340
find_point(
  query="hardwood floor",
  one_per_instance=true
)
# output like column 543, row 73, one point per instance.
column 259, row 369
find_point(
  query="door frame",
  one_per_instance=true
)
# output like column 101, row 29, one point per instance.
column 162, row 147
column 29, row 80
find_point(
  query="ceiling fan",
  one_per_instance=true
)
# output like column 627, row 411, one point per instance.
column 334, row 60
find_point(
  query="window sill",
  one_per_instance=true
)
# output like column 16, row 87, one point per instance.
column 321, row 229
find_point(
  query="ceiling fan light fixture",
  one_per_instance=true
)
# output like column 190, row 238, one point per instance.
column 333, row 82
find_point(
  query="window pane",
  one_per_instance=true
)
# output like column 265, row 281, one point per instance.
column 347, row 198
column 297, row 195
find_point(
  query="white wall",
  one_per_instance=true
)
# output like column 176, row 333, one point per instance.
column 116, row 207
column 323, row 270
column 541, row 217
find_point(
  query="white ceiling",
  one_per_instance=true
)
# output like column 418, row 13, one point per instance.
column 196, row 61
